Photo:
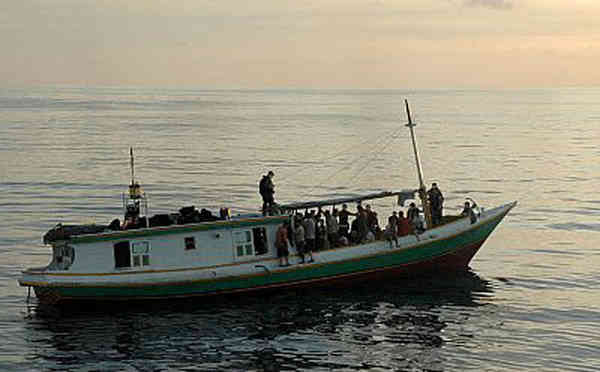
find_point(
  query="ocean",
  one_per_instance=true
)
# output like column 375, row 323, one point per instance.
column 529, row 302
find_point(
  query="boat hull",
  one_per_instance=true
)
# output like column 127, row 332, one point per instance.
column 454, row 262
column 436, row 254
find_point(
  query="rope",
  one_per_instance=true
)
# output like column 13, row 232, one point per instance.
column 357, row 175
column 328, row 158
column 348, row 166
column 387, row 140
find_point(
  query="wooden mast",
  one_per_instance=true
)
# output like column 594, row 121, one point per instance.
column 422, row 189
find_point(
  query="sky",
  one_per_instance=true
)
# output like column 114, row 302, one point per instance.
column 301, row 43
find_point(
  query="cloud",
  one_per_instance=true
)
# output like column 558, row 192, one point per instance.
column 494, row 4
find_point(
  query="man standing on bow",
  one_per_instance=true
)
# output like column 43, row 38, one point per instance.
column 436, row 201
column 266, row 188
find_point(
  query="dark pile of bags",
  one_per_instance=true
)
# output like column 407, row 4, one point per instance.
column 186, row 215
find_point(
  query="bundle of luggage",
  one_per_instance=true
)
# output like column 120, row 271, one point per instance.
column 64, row 232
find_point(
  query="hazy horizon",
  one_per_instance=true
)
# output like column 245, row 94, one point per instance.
column 303, row 44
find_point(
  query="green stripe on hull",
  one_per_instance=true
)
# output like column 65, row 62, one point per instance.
column 296, row 274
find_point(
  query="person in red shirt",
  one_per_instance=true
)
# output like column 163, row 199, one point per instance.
column 404, row 225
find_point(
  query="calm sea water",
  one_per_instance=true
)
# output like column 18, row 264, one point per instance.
column 530, row 302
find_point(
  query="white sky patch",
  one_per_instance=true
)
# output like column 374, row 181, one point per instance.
column 494, row 4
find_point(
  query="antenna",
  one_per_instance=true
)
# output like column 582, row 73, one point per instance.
column 132, row 168
column 135, row 191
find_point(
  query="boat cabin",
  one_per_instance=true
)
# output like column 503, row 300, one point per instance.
column 222, row 242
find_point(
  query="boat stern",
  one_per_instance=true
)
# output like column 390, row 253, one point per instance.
column 33, row 276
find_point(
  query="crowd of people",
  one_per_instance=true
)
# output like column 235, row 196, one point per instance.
column 316, row 230
column 320, row 229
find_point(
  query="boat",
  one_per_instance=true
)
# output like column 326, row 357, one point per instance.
column 195, row 253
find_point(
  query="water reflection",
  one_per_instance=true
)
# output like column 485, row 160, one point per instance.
column 389, row 325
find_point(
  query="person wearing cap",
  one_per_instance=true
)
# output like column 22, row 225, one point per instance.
column 436, row 201
column 266, row 188
column 469, row 212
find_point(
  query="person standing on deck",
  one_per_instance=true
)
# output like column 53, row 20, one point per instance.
column 322, row 241
column 299, row 237
column 394, row 218
column 372, row 221
column 310, row 233
column 404, row 225
column 469, row 212
column 413, row 215
column 266, row 188
column 362, row 227
column 332, row 228
column 436, row 201
column 281, row 243
column 390, row 232
column 344, row 225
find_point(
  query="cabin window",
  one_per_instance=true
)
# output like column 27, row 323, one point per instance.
column 243, row 243
column 140, row 253
column 260, row 240
column 122, row 254
column 190, row 243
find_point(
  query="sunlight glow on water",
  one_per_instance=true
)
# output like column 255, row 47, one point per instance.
column 530, row 303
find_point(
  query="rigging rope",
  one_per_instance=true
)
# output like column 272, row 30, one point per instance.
column 360, row 173
column 360, row 159
column 329, row 158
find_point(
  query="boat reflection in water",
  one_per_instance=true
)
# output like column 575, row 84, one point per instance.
column 394, row 324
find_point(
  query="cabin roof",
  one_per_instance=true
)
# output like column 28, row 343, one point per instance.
column 403, row 195
column 177, row 229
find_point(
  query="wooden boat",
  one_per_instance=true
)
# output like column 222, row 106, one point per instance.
column 222, row 255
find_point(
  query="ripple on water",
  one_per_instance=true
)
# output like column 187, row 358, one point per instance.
column 575, row 226
column 556, row 251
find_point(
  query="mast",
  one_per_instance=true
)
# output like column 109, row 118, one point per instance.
column 422, row 189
